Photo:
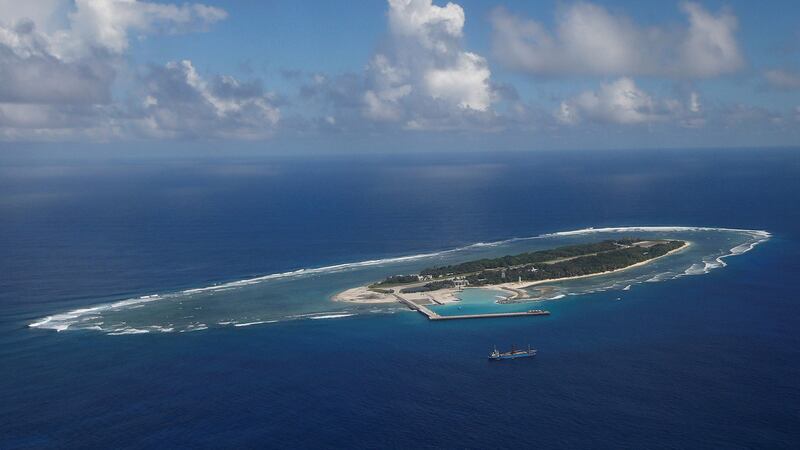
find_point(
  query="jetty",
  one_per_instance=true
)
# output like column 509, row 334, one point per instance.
column 432, row 315
column 511, row 274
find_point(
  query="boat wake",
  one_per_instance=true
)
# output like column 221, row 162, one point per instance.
column 260, row 300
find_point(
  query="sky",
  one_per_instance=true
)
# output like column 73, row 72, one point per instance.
column 398, row 75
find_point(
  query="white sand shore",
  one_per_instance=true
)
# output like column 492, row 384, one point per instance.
column 513, row 290
column 527, row 284
column 363, row 294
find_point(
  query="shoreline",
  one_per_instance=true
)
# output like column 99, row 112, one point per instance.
column 517, row 286
column 515, row 290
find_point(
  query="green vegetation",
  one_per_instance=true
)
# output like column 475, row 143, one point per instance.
column 397, row 279
column 528, row 258
column 562, row 262
column 432, row 286
column 381, row 291
column 578, row 266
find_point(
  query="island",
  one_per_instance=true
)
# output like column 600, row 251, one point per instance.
column 511, row 274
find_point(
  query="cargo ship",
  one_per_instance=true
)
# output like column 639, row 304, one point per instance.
column 513, row 354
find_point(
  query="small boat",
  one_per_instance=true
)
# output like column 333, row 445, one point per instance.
column 513, row 354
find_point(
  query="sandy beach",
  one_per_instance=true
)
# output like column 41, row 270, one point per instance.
column 515, row 286
column 512, row 290
column 363, row 294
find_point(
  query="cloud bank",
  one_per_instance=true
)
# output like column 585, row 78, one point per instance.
column 178, row 102
column 66, row 74
column 59, row 60
column 589, row 40
column 622, row 102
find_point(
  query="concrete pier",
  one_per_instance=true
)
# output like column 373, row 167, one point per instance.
column 431, row 315
column 491, row 315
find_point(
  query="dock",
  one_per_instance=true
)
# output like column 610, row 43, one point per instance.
column 431, row 315
column 490, row 315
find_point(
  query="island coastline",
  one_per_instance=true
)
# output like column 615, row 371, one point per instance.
column 513, row 291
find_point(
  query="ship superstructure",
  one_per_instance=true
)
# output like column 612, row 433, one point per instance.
column 513, row 354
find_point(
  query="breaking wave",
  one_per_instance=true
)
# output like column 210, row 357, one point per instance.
column 331, row 316
column 247, row 324
column 120, row 317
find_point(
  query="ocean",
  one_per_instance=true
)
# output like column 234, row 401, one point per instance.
column 694, row 354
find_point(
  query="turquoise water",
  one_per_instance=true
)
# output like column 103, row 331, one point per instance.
column 306, row 294
column 481, row 301
column 685, row 358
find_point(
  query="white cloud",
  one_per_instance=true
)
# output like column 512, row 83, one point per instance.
column 48, row 15
column 59, row 122
column 783, row 79
column 464, row 84
column 431, row 25
column 69, row 31
column 590, row 40
column 107, row 23
column 178, row 102
column 710, row 48
column 424, row 71
column 619, row 102
column 390, row 86
column 59, row 60
column 622, row 102
column 40, row 78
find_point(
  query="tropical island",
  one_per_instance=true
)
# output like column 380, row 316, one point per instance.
column 512, row 274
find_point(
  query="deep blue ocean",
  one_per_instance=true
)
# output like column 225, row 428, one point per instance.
column 708, row 361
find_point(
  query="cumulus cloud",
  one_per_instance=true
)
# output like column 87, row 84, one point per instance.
column 622, row 102
column 107, row 24
column 783, row 79
column 465, row 83
column 29, row 73
column 432, row 26
column 390, row 85
column 589, row 40
column 59, row 59
column 89, row 26
column 178, row 102
column 424, row 77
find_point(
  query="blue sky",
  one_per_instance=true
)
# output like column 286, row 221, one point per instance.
column 399, row 75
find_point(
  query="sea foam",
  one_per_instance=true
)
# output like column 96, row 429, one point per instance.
column 73, row 319
column 331, row 316
column 259, row 322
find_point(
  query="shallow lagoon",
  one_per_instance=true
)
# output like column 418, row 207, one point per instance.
column 305, row 294
column 481, row 301
column 695, row 362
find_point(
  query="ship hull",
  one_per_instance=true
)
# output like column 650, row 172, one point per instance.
column 512, row 356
